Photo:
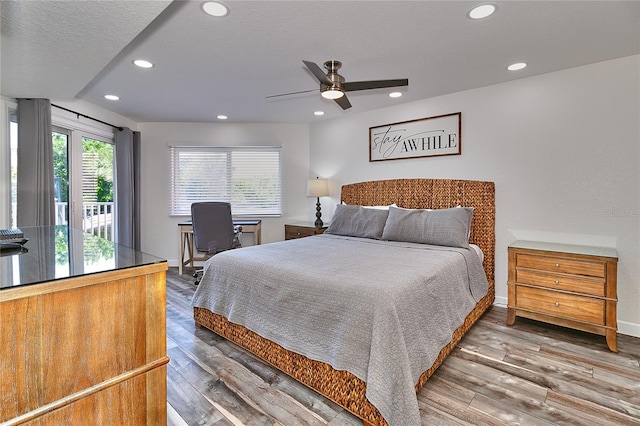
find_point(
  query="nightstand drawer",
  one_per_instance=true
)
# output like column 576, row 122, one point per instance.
column 559, row 264
column 560, row 304
column 292, row 232
column 567, row 282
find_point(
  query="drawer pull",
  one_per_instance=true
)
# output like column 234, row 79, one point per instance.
column 557, row 265
column 557, row 304
column 297, row 233
column 557, row 282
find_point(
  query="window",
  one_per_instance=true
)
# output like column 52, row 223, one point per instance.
column 247, row 177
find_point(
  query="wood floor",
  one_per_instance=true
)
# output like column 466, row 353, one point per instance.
column 527, row 374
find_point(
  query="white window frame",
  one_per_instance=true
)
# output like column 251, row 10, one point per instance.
column 223, row 176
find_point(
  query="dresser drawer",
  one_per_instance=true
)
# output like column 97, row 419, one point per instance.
column 559, row 264
column 560, row 304
column 567, row 282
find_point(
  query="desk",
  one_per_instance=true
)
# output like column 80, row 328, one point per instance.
column 252, row 226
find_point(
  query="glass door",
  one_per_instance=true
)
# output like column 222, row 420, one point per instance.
column 97, row 187
column 83, row 171
column 83, row 167
column 60, row 140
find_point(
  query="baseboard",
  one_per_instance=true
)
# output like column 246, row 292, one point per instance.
column 500, row 301
column 629, row 328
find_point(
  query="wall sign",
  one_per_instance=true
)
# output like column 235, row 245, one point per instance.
column 424, row 137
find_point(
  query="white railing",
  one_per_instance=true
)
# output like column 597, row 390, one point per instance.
column 97, row 218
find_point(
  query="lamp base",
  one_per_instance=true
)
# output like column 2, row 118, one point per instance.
column 318, row 223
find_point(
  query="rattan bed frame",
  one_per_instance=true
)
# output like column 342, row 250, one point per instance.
column 343, row 387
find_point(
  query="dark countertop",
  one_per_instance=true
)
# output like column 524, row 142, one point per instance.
column 57, row 252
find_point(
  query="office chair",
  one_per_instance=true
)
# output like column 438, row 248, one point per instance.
column 213, row 230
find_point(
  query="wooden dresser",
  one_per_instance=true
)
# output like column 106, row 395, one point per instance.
column 83, row 332
column 567, row 285
column 301, row 230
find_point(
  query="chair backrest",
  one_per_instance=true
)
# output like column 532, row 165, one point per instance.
column 212, row 226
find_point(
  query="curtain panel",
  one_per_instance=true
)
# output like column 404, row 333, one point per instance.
column 35, row 182
column 127, row 143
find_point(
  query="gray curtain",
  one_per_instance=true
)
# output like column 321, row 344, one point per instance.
column 128, row 188
column 35, row 182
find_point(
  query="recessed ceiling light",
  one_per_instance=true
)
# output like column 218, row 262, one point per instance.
column 517, row 66
column 395, row 94
column 482, row 11
column 142, row 63
column 112, row 97
column 222, row 117
column 215, row 8
column 319, row 113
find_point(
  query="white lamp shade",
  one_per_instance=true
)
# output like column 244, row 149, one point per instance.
column 317, row 188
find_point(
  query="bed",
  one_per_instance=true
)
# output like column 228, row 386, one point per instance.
column 359, row 389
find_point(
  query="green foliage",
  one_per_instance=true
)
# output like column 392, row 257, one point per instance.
column 104, row 153
column 105, row 190
column 105, row 167
column 60, row 167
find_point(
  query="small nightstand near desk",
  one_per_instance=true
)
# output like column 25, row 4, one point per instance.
column 567, row 285
column 300, row 230
column 249, row 226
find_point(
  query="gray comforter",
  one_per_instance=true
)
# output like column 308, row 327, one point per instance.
column 379, row 309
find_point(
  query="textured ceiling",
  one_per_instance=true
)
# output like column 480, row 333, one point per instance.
column 207, row 66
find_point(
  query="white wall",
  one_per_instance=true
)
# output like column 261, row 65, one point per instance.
column 563, row 149
column 160, row 231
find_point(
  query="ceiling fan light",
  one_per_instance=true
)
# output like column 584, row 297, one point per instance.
column 332, row 93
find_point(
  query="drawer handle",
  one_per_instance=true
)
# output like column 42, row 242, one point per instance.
column 557, row 265
column 557, row 304
column 557, row 282
column 297, row 233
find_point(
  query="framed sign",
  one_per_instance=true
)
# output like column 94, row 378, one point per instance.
column 424, row 137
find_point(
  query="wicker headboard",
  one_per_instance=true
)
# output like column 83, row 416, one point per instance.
column 437, row 194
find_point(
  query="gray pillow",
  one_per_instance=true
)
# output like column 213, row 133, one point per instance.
column 442, row 227
column 357, row 221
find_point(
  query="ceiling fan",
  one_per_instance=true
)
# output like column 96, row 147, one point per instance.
column 334, row 87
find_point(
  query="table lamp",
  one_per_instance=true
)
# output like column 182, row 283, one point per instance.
column 318, row 188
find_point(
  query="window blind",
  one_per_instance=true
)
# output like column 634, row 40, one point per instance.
column 247, row 177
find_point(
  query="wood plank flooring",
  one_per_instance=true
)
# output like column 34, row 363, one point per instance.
column 528, row 374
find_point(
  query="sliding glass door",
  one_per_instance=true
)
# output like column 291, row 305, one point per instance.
column 83, row 167
column 98, row 214
column 60, row 140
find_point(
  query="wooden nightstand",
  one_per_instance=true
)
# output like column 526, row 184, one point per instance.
column 567, row 285
column 300, row 230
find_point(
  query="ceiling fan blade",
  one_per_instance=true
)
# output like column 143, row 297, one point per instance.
column 291, row 93
column 352, row 86
column 317, row 71
column 343, row 102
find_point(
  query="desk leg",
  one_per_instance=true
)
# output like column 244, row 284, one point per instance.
column 190, row 248
column 181, row 259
